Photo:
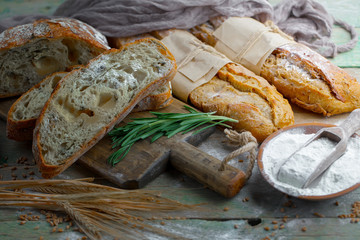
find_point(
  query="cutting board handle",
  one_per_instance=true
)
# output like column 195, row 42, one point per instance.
column 204, row 168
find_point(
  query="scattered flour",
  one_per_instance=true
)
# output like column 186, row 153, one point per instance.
column 342, row 174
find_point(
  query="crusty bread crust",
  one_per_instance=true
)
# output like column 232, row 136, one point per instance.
column 155, row 100
column 49, row 170
column 240, row 94
column 33, row 45
column 52, row 28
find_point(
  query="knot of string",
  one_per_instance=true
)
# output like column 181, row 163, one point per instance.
column 245, row 142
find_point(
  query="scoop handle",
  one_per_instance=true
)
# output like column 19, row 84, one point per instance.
column 352, row 123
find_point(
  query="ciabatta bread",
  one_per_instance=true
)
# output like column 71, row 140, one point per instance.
column 30, row 52
column 302, row 75
column 26, row 109
column 87, row 103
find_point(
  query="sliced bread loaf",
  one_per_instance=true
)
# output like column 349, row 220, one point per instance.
column 26, row 109
column 30, row 52
column 88, row 102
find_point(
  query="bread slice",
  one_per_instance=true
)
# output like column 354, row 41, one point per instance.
column 240, row 94
column 30, row 52
column 87, row 103
column 160, row 98
column 26, row 109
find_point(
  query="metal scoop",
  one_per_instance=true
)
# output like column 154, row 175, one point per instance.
column 339, row 134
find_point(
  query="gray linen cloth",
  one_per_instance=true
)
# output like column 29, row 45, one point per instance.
column 306, row 20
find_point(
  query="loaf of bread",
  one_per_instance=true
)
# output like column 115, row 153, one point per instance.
column 87, row 103
column 238, row 93
column 25, row 110
column 30, row 52
column 303, row 76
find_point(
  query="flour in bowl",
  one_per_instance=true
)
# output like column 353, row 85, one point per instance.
column 342, row 174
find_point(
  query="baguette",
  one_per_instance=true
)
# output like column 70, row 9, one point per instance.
column 87, row 103
column 30, row 52
column 238, row 93
column 302, row 75
column 25, row 110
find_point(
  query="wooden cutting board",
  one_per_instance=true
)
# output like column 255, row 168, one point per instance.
column 146, row 160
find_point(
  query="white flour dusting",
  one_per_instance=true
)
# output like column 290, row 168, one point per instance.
column 298, row 168
column 342, row 174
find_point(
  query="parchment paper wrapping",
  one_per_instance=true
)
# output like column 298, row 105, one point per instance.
column 248, row 42
column 197, row 62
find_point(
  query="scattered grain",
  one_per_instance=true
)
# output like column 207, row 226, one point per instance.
column 318, row 215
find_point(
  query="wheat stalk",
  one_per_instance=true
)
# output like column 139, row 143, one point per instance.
column 95, row 208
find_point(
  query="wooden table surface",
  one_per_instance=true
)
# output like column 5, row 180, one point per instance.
column 249, row 215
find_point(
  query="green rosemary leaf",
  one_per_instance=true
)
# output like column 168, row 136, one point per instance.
column 172, row 133
column 119, row 155
column 157, row 136
column 209, row 126
column 162, row 124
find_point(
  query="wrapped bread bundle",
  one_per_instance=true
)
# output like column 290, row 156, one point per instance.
column 211, row 82
column 303, row 76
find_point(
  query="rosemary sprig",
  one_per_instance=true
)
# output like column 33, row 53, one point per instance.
column 163, row 124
